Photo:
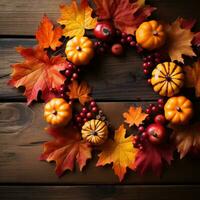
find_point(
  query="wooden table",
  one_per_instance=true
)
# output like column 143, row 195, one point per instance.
column 117, row 82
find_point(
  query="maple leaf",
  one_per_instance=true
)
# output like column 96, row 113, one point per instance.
column 120, row 152
column 186, row 23
column 66, row 148
column 76, row 18
column 192, row 77
column 186, row 138
column 179, row 41
column 125, row 16
column 47, row 36
column 37, row 73
column 134, row 116
column 152, row 157
column 79, row 91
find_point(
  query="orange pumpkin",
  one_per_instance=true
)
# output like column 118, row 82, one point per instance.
column 57, row 112
column 95, row 132
column 150, row 35
column 167, row 79
column 79, row 50
column 178, row 110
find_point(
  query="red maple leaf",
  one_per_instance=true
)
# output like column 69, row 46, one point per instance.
column 47, row 36
column 152, row 158
column 66, row 148
column 125, row 16
column 37, row 73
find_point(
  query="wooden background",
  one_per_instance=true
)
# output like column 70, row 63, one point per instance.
column 117, row 82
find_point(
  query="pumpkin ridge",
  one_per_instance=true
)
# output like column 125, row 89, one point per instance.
column 166, row 73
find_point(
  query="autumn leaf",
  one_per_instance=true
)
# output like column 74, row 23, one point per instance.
column 186, row 23
column 76, row 18
column 192, row 77
column 79, row 91
column 152, row 157
column 66, row 148
column 120, row 152
column 47, row 36
column 125, row 16
column 37, row 73
column 179, row 41
column 134, row 116
column 196, row 40
column 186, row 138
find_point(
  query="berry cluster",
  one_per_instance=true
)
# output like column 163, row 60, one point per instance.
column 101, row 47
column 72, row 72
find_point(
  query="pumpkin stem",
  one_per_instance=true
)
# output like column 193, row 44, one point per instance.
column 54, row 112
column 178, row 109
column 93, row 133
column 168, row 78
column 78, row 48
column 155, row 33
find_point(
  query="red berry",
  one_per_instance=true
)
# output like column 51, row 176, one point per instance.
column 145, row 65
column 160, row 106
column 82, row 114
column 89, row 115
column 84, row 110
column 132, row 43
column 144, row 134
column 75, row 76
column 154, row 109
column 117, row 49
column 149, row 64
column 141, row 148
column 68, row 73
column 70, row 66
column 118, row 32
column 157, row 60
column 136, row 137
column 94, row 109
column 95, row 44
column 78, row 119
column 93, row 103
column 160, row 101
column 150, row 58
column 141, row 129
column 160, row 119
column 148, row 111
column 129, row 38
column 145, row 59
column 102, row 50
column 124, row 34
column 85, row 119
column 145, row 71
column 149, row 81
column 123, row 41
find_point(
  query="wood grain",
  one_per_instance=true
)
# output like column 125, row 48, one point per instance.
column 21, row 17
column 126, row 192
column 21, row 138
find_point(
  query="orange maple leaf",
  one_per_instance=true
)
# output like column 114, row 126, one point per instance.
column 66, row 148
column 47, row 36
column 179, row 41
column 192, row 77
column 186, row 138
column 37, row 73
column 120, row 152
column 134, row 116
column 76, row 18
column 79, row 91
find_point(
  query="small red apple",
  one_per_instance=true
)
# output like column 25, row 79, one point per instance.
column 160, row 119
column 156, row 133
column 104, row 31
column 117, row 49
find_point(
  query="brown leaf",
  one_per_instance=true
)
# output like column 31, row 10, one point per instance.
column 192, row 77
column 179, row 41
column 134, row 116
column 79, row 91
column 186, row 138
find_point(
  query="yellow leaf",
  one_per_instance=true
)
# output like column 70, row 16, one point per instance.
column 134, row 116
column 179, row 41
column 76, row 18
column 120, row 152
column 79, row 91
column 186, row 138
column 192, row 77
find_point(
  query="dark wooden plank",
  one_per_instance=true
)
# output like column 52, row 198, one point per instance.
column 126, row 192
column 21, row 136
column 21, row 17
column 112, row 78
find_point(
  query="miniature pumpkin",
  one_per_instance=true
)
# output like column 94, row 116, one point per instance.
column 57, row 112
column 79, row 50
column 167, row 79
column 95, row 132
column 178, row 110
column 150, row 35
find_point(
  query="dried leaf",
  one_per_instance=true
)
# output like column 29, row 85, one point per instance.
column 37, row 73
column 79, row 91
column 134, row 116
column 47, row 36
column 186, row 138
column 192, row 77
column 120, row 152
column 179, row 41
column 187, row 24
column 76, row 18
column 152, row 158
column 125, row 16
column 66, row 148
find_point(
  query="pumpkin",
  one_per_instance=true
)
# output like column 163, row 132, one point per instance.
column 178, row 110
column 167, row 79
column 150, row 35
column 57, row 112
column 79, row 50
column 95, row 132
